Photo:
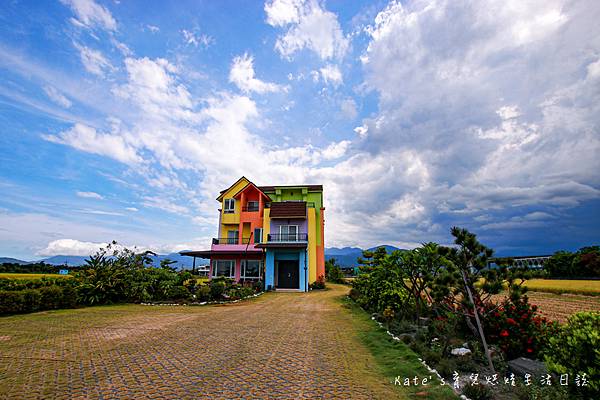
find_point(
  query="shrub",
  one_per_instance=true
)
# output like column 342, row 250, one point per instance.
column 319, row 283
column 51, row 297
column 31, row 300
column 258, row 286
column 516, row 328
column 576, row 350
column 478, row 392
column 333, row 272
column 446, row 367
column 218, row 287
column 203, row 293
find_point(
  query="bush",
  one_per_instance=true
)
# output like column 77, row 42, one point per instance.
column 333, row 272
column 203, row 293
column 478, row 392
column 218, row 287
column 517, row 329
column 576, row 350
column 319, row 283
column 446, row 367
column 31, row 300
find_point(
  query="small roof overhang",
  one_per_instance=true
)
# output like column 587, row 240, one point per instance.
column 270, row 245
column 209, row 253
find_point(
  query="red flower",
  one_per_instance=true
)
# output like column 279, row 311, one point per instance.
column 504, row 333
column 511, row 321
column 529, row 350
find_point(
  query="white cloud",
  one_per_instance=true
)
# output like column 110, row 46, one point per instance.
column 348, row 108
column 593, row 70
column 242, row 75
column 153, row 28
column 309, row 26
column 70, row 247
column 57, row 97
column 86, row 138
column 330, row 74
column 165, row 205
column 132, row 209
column 90, row 195
column 91, row 14
column 93, row 60
column 196, row 39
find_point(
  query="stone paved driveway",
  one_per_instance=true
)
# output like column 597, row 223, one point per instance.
column 280, row 345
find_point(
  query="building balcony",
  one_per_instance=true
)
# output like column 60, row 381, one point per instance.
column 287, row 237
column 285, row 240
column 220, row 241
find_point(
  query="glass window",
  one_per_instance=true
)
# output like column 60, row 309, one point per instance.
column 288, row 233
column 232, row 237
column 229, row 206
column 251, row 268
column 252, row 206
column 223, row 268
column 258, row 235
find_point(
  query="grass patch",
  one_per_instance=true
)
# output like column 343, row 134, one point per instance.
column 10, row 275
column 394, row 358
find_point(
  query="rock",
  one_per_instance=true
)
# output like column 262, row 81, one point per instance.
column 465, row 345
column 461, row 351
column 522, row 366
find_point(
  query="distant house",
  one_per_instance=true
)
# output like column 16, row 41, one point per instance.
column 270, row 233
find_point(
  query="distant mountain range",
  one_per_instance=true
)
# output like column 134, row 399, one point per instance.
column 345, row 257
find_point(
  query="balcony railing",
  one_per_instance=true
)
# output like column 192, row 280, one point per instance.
column 250, row 209
column 309, row 204
column 287, row 237
column 245, row 240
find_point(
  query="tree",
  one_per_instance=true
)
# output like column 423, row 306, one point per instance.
column 371, row 258
column 417, row 270
column 333, row 273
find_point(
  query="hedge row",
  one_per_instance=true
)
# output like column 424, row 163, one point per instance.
column 31, row 300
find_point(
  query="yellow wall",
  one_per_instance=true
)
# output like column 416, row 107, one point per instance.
column 266, row 223
column 312, row 246
column 233, row 218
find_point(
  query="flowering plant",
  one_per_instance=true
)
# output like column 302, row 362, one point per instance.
column 517, row 328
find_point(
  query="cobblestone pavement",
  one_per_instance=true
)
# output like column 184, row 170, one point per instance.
column 279, row 345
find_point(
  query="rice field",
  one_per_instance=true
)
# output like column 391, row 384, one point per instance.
column 559, row 286
column 31, row 276
column 558, row 307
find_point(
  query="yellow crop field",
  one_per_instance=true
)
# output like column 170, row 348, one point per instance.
column 31, row 276
column 588, row 287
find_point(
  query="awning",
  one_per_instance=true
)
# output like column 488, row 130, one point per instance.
column 209, row 253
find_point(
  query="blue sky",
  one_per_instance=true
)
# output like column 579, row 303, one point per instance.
column 122, row 120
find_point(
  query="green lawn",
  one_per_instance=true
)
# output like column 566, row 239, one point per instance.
column 31, row 276
column 394, row 358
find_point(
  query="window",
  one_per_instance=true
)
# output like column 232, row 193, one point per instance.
column 288, row 233
column 232, row 237
column 223, row 268
column 229, row 206
column 251, row 269
column 258, row 232
column 252, row 206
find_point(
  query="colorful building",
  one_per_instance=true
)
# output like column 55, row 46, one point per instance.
column 270, row 233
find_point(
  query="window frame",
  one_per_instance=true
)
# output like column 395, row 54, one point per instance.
column 215, row 269
column 229, row 206
column 243, row 270
column 248, row 206
column 259, row 237
column 288, row 234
